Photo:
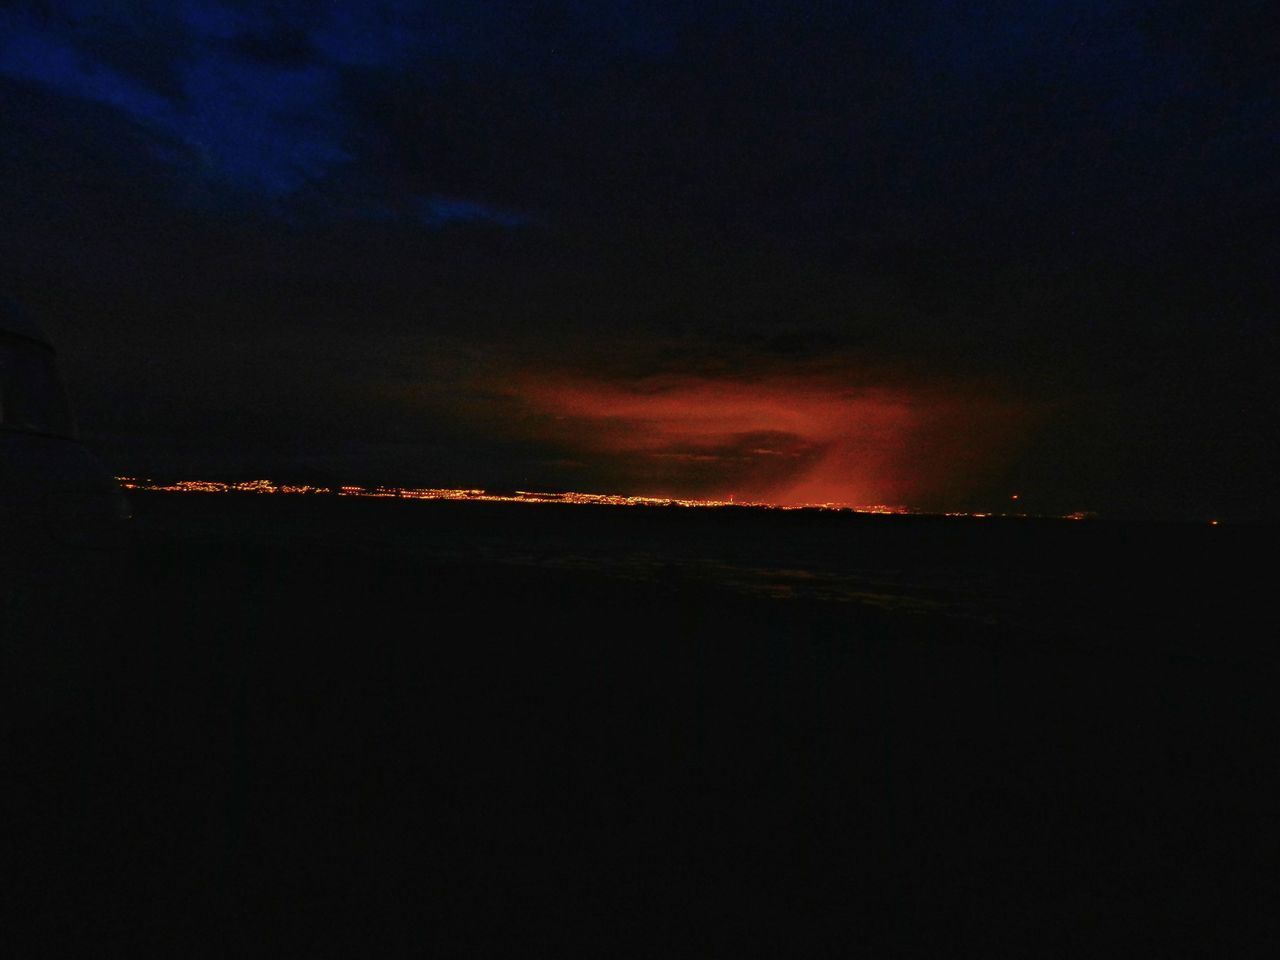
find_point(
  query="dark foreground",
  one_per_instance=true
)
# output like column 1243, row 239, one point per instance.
column 339, row 729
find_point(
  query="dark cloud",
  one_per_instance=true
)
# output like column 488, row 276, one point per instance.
column 284, row 48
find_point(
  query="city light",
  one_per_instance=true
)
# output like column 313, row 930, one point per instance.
column 439, row 493
column 270, row 487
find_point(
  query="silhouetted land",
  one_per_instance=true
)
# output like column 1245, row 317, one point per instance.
column 474, row 729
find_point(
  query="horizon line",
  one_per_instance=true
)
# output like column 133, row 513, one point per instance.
column 483, row 495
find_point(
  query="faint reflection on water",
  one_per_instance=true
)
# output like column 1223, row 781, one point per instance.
column 868, row 588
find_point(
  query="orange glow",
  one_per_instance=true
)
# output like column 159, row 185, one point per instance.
column 782, row 439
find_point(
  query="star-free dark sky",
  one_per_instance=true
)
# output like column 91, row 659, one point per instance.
column 930, row 253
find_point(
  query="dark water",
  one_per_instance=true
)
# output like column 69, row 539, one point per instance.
column 1089, row 581
column 474, row 729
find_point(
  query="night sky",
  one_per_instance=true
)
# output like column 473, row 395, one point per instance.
column 921, row 253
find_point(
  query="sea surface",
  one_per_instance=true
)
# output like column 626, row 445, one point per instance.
column 1095, row 580
column 349, row 727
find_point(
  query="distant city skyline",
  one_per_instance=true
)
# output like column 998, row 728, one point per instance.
column 477, row 495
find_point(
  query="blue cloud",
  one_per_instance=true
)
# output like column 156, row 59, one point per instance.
column 208, row 18
column 440, row 211
column 266, row 129
column 32, row 53
column 269, row 127
column 254, row 93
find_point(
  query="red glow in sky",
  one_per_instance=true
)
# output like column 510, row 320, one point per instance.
column 783, row 438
